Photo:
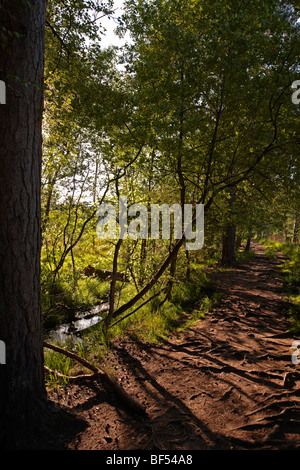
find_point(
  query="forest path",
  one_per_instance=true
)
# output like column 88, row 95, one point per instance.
column 226, row 383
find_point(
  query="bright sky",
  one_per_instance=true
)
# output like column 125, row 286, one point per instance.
column 110, row 25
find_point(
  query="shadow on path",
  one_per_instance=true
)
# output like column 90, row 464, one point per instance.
column 228, row 382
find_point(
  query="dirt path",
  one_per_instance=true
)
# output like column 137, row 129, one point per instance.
column 227, row 383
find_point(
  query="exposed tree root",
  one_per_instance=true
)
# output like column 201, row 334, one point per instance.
column 108, row 382
column 267, row 374
column 225, row 383
column 286, row 415
column 227, row 394
column 274, row 405
column 283, row 394
column 229, row 368
column 289, row 379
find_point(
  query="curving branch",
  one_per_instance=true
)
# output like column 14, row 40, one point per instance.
column 108, row 382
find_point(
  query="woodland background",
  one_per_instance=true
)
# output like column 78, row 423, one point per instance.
column 194, row 106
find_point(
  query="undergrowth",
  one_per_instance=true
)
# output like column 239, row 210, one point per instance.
column 290, row 269
column 243, row 255
column 189, row 302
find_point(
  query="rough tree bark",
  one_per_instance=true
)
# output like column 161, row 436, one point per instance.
column 22, row 389
column 228, row 246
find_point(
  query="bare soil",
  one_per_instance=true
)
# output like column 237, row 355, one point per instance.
column 226, row 383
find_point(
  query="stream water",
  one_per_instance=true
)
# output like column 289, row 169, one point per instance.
column 82, row 321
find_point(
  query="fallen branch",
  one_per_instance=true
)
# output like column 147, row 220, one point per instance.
column 71, row 378
column 152, row 281
column 104, row 274
column 108, row 381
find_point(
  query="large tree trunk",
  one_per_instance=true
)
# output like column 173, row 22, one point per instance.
column 22, row 389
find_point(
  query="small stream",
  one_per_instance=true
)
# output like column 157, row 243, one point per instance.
column 82, row 321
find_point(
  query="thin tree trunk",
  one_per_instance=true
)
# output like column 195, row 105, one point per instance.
column 152, row 281
column 22, row 389
column 229, row 235
column 188, row 268
column 238, row 242
column 50, row 189
column 142, row 260
column 170, row 283
column 248, row 243
column 228, row 246
column 295, row 229
column 113, row 284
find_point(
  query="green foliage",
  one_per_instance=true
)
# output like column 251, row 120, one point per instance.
column 294, row 312
column 190, row 294
column 290, row 269
column 72, row 291
column 157, row 319
column 199, row 112
column 57, row 362
column 243, row 255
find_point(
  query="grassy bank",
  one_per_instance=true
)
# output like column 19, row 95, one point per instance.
column 190, row 301
column 290, row 269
